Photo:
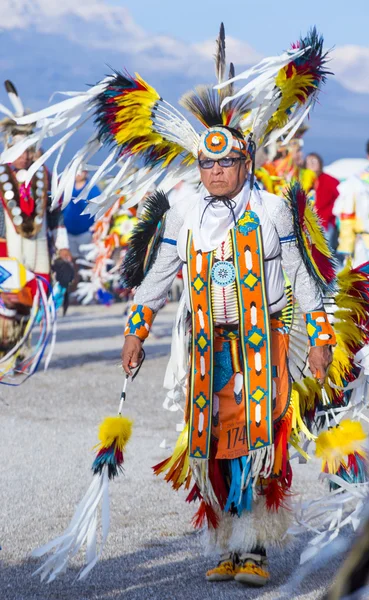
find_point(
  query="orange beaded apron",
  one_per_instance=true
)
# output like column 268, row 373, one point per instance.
column 248, row 426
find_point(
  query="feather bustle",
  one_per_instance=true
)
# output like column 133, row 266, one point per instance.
column 134, row 267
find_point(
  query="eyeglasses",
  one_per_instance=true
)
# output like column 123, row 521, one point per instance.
column 226, row 162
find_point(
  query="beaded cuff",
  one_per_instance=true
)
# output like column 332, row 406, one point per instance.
column 319, row 329
column 139, row 321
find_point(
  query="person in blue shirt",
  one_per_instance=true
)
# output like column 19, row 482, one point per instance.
column 78, row 225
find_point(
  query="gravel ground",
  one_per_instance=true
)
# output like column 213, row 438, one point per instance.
column 48, row 429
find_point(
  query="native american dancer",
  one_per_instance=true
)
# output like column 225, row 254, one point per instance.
column 26, row 226
column 287, row 167
column 352, row 210
column 234, row 244
column 243, row 336
column 100, row 270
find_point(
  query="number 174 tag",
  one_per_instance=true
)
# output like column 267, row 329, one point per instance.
column 232, row 440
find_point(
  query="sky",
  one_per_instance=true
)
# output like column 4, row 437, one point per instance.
column 264, row 24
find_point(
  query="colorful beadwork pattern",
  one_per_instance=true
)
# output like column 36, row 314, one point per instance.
column 216, row 143
column 255, row 339
column 139, row 321
column 319, row 329
column 201, row 381
column 255, row 325
column 223, row 273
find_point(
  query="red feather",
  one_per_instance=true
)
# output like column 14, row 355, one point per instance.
column 205, row 512
column 324, row 265
column 276, row 492
column 216, row 477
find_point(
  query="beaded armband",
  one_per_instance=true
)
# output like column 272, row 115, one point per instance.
column 319, row 329
column 139, row 321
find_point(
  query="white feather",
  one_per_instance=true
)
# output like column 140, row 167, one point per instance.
column 65, row 106
column 6, row 111
column 17, row 104
column 12, row 153
column 81, row 530
column 268, row 67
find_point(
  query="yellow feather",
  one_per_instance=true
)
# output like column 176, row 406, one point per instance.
column 334, row 445
column 307, row 179
column 136, row 125
column 341, row 365
column 293, row 90
column 349, row 332
column 115, row 430
column 298, row 424
column 315, row 231
column 307, row 250
column 180, row 447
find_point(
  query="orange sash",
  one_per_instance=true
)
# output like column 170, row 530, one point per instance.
column 256, row 422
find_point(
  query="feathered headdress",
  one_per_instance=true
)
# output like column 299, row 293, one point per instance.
column 11, row 131
column 137, row 123
column 205, row 102
column 282, row 90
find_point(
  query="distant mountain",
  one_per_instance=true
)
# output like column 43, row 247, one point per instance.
column 51, row 45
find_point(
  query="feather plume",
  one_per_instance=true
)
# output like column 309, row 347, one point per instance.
column 313, row 246
column 114, row 434
column 220, row 55
column 276, row 494
column 14, row 98
column 205, row 104
column 205, row 514
column 283, row 89
column 144, row 240
column 131, row 114
column 231, row 75
column 352, row 334
column 336, row 444
column 177, row 466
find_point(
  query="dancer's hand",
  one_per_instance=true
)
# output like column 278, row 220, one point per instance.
column 320, row 357
column 131, row 353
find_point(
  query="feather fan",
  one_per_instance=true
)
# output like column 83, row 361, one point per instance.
column 144, row 240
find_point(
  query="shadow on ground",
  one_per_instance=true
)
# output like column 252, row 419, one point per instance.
column 154, row 572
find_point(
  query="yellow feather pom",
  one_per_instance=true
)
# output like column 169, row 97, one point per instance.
column 334, row 445
column 298, row 424
column 115, row 430
column 177, row 466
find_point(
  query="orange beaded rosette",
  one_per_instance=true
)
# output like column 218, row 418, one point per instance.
column 219, row 141
column 216, row 143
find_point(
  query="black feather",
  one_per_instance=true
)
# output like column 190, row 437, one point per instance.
column 220, row 55
column 145, row 240
column 232, row 73
column 10, row 87
column 204, row 104
column 229, row 89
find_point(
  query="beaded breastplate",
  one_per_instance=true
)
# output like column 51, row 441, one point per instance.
column 16, row 197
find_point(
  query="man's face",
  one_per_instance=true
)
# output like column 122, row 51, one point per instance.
column 81, row 176
column 313, row 164
column 23, row 161
column 225, row 181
